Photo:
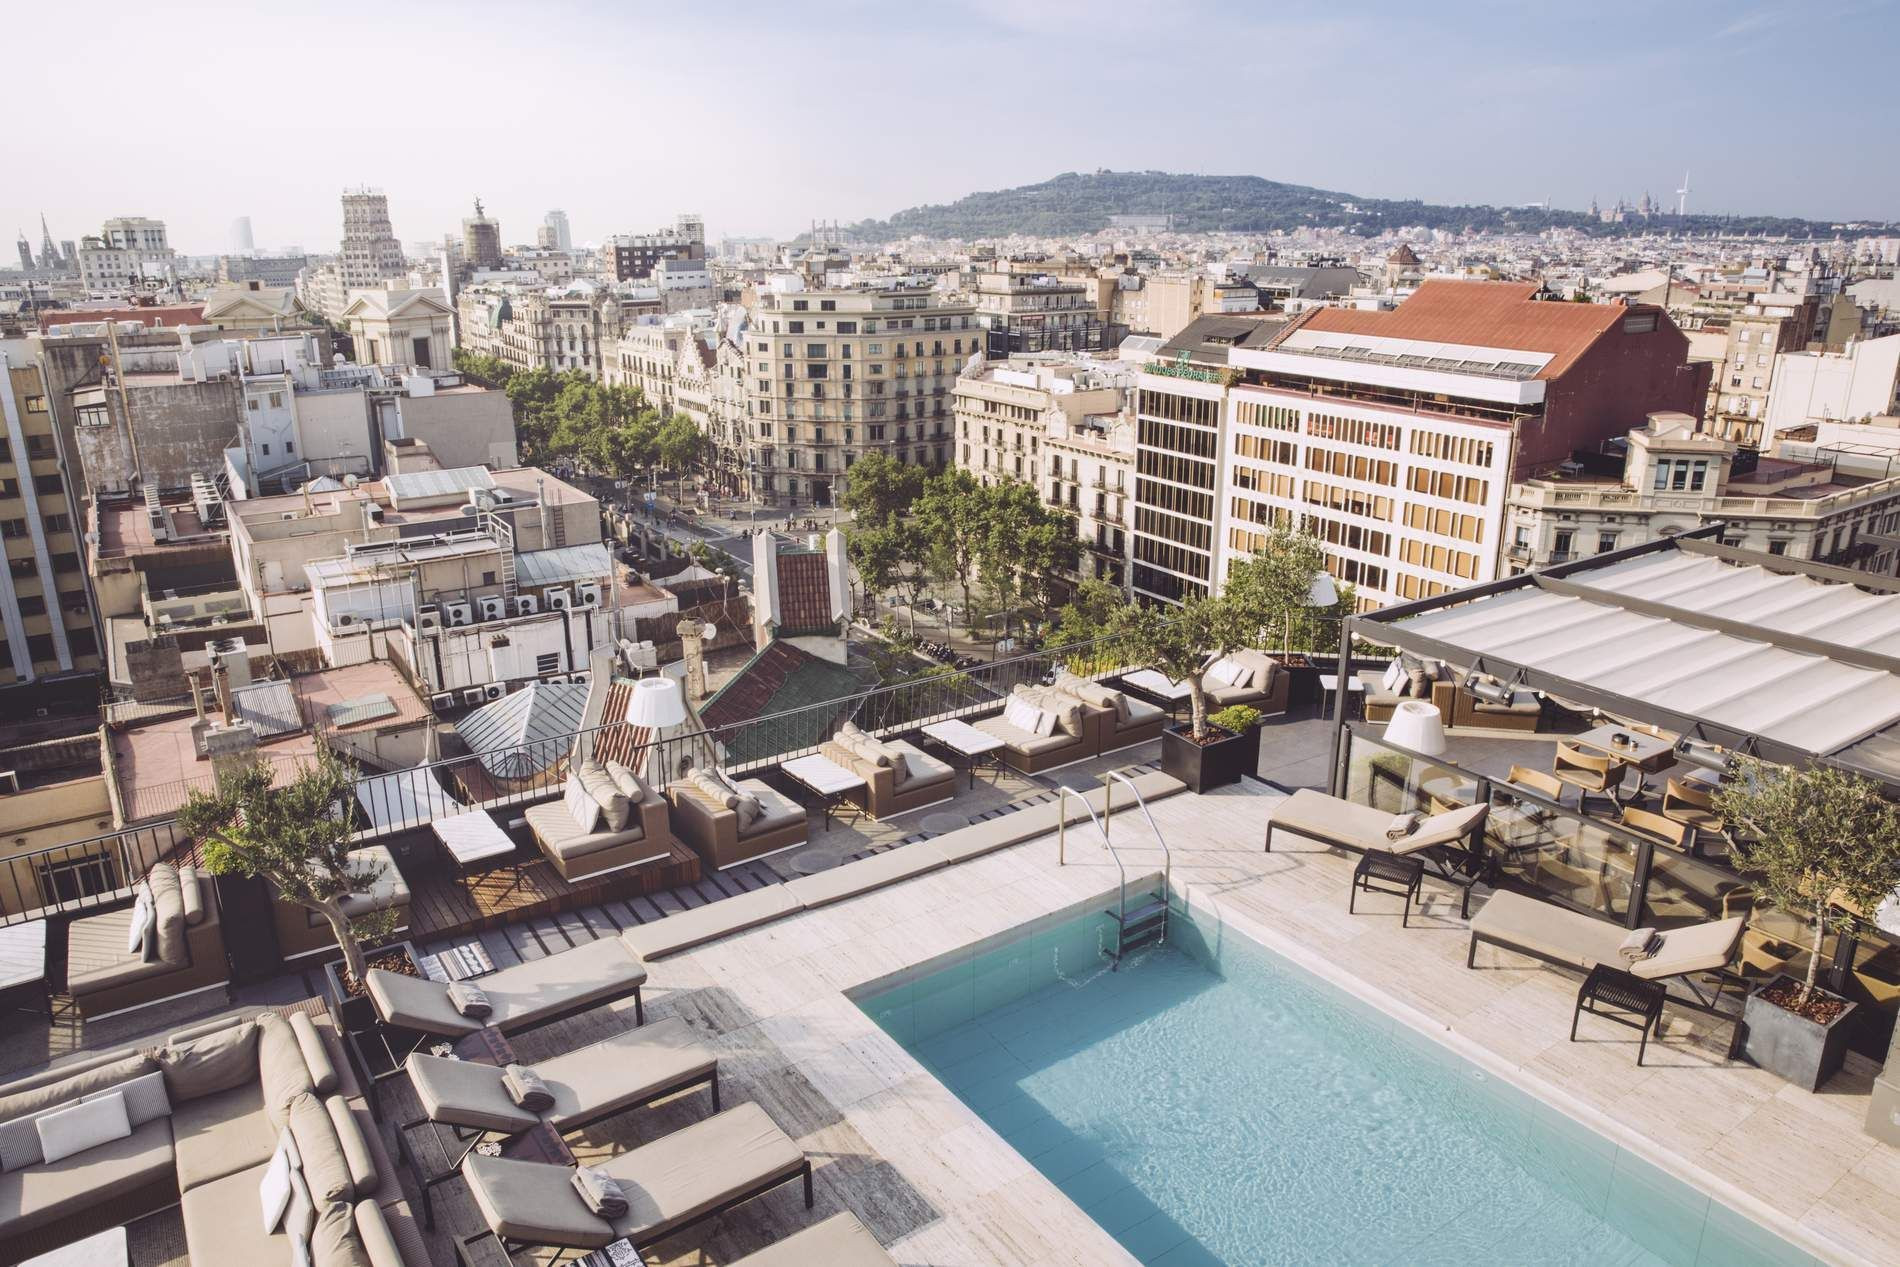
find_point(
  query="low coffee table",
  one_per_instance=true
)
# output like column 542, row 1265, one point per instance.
column 1158, row 688
column 474, row 843
column 23, row 968
column 825, row 779
column 976, row 747
column 105, row 1249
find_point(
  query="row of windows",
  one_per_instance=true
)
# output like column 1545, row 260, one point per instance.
column 1377, row 435
column 1349, row 536
column 1332, row 496
column 1193, row 533
column 1411, row 587
column 1164, row 584
column 1167, row 466
column 1261, row 449
column 1463, row 449
column 1254, row 512
column 1263, row 481
column 1166, row 554
column 1453, row 488
column 1439, row 558
column 1353, row 572
column 1179, row 500
column 1177, row 439
column 1253, row 413
column 1352, row 466
column 1445, row 523
column 1202, row 413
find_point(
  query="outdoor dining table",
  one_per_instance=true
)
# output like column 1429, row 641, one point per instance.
column 1635, row 749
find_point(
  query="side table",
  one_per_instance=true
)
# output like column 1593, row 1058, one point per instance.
column 1624, row 998
column 1379, row 872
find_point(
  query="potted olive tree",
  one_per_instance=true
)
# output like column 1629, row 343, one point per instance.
column 297, row 838
column 1823, row 845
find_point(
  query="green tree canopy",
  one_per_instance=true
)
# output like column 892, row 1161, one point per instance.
column 880, row 488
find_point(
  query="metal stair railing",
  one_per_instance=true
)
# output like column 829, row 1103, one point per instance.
column 1167, row 855
column 1063, row 793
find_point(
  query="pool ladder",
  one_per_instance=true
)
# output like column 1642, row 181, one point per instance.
column 1148, row 922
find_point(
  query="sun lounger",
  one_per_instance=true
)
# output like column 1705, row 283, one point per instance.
column 695, row 1173
column 1333, row 821
column 523, row 997
column 1571, row 939
column 840, row 1241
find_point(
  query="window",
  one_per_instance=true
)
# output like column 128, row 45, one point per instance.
column 1777, row 545
column 793, row 327
column 547, row 662
column 1606, row 542
column 36, row 404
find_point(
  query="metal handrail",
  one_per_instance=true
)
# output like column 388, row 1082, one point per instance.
column 1167, row 854
column 1063, row 793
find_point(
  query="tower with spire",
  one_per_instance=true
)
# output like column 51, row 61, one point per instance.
column 49, row 254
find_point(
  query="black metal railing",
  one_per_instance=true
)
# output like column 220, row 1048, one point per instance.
column 81, row 876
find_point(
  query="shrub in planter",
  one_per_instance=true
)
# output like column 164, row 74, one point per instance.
column 1824, row 848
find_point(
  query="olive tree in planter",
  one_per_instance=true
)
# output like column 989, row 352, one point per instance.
column 1822, row 845
column 297, row 838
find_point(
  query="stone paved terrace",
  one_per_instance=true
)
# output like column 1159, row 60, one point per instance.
column 940, row 1187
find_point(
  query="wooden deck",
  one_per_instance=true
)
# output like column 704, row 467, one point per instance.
column 441, row 906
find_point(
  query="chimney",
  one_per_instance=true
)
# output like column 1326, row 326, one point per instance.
column 221, row 684
column 692, row 635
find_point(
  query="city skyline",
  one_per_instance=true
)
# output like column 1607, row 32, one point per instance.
column 1311, row 98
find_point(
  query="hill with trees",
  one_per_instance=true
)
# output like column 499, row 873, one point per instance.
column 1083, row 202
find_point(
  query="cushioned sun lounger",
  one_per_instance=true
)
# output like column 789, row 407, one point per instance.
column 1318, row 816
column 1572, row 939
column 840, row 1241
column 679, row 1179
column 523, row 997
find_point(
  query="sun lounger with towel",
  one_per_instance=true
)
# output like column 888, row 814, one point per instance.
column 677, row 1180
column 520, row 998
column 1334, row 821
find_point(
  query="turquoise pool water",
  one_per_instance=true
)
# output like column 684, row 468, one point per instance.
column 1213, row 1103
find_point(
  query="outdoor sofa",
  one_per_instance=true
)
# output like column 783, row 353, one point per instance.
column 182, row 954
column 302, row 932
column 197, row 1123
column 1042, row 728
column 1248, row 677
column 727, row 822
column 1125, row 720
column 607, row 819
column 898, row 776
column 672, row 1183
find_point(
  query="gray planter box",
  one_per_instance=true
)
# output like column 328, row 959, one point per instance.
column 1793, row 1047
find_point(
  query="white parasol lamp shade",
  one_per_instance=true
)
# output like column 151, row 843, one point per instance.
column 1417, row 726
column 656, row 704
column 1322, row 593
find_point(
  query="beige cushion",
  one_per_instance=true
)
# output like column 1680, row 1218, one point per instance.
column 316, row 1053
column 839, row 1241
column 528, row 992
column 282, row 1070
column 168, row 901
column 335, row 1243
column 1584, row 941
column 919, row 766
column 223, row 1227
column 466, row 1093
column 1021, row 740
column 190, row 888
column 220, row 1134
column 613, row 803
column 373, row 1228
column 713, row 787
column 776, row 810
column 216, row 1062
column 45, row 1194
column 351, row 1125
column 101, row 1076
column 557, row 834
column 416, row 1003
column 627, row 781
column 581, row 807
column 325, row 1168
column 388, row 889
column 96, row 958
column 533, row 1202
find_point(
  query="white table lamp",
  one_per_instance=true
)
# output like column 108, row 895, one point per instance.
column 1322, row 593
column 656, row 704
column 1417, row 726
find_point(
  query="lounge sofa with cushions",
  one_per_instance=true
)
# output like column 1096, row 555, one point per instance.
column 182, row 951
column 1042, row 728
column 1248, row 677
column 898, row 776
column 1524, row 712
column 727, row 823
column 1127, row 721
column 302, row 932
column 198, row 1122
column 607, row 819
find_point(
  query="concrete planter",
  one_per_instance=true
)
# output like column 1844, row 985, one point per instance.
column 1793, row 1047
column 354, row 1012
column 1214, row 765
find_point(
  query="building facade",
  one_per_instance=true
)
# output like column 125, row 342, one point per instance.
column 45, row 612
column 370, row 254
column 632, row 256
column 840, row 373
column 481, row 239
column 1040, row 312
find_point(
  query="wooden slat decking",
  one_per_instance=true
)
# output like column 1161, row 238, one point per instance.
column 440, row 907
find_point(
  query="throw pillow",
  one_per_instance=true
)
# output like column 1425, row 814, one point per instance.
column 1419, row 683
column 469, row 999
column 612, row 801
column 749, row 809
column 1019, row 714
column 335, row 1242
column 20, row 1143
column 144, row 1098
column 1225, row 672
column 1046, row 724
column 300, row 1220
column 142, row 920
column 581, row 805
column 325, row 1167
column 78, row 1127
column 273, row 1191
column 193, row 895
column 627, row 781
column 1394, row 678
column 211, row 1063
column 287, row 1145
column 168, row 909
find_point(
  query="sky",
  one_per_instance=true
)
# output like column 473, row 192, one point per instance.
column 762, row 117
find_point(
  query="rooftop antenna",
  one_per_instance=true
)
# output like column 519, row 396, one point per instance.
column 1682, row 196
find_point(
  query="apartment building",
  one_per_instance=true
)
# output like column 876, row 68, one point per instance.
column 370, row 254
column 127, row 252
column 1668, row 477
column 570, row 327
column 839, row 373
column 1090, row 461
column 1392, row 435
column 45, row 614
column 1861, row 381
column 1757, row 335
column 1026, row 312
column 629, row 257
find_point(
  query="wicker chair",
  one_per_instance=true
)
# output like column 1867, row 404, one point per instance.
column 1591, row 773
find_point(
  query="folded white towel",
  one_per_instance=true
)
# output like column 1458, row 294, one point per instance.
column 527, row 1088
column 1639, row 945
column 600, row 1191
column 1401, row 826
column 469, row 1000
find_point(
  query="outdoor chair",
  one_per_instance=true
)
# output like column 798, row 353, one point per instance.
column 1664, row 831
column 1692, row 806
column 1591, row 773
column 680, row 1179
column 589, row 1084
column 1447, row 839
column 1519, row 827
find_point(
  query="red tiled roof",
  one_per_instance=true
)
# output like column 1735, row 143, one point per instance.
column 175, row 315
column 620, row 743
column 749, row 693
column 1478, row 314
column 804, row 587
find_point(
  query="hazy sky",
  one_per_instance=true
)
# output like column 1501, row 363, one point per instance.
column 764, row 116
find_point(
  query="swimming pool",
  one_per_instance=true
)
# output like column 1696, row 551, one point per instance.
column 1213, row 1103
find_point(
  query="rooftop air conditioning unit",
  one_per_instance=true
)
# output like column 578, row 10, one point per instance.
column 344, row 618
column 459, row 614
column 428, row 618
column 493, row 607
column 582, row 678
column 494, row 690
column 526, row 604
column 559, row 600
column 472, row 696
column 443, row 701
column 587, row 594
